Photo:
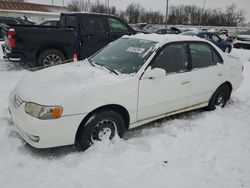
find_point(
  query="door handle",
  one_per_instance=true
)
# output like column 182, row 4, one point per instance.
column 220, row 74
column 185, row 82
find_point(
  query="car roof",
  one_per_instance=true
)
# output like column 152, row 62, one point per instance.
column 8, row 17
column 162, row 39
column 88, row 13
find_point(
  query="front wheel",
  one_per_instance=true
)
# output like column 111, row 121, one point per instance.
column 101, row 126
column 220, row 97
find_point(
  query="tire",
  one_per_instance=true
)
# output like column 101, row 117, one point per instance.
column 101, row 125
column 220, row 97
column 50, row 57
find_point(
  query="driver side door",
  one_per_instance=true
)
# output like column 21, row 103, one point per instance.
column 170, row 92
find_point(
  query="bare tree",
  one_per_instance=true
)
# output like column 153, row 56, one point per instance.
column 133, row 12
column 21, row 1
column 152, row 17
column 183, row 14
column 97, row 7
column 78, row 6
column 194, row 15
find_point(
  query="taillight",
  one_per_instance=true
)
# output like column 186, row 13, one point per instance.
column 75, row 57
column 12, row 41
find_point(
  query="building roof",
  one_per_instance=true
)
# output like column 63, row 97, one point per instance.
column 7, row 5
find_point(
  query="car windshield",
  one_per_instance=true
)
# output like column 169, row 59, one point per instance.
column 125, row 55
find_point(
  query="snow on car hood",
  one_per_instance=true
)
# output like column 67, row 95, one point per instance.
column 53, row 84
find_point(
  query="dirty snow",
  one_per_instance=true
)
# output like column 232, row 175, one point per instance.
column 194, row 150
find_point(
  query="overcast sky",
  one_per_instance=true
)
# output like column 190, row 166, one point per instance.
column 161, row 4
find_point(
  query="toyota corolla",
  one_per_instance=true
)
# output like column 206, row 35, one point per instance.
column 132, row 81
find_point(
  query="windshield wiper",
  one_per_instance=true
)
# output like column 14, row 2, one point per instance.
column 110, row 69
column 90, row 62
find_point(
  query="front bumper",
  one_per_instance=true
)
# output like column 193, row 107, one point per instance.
column 44, row 133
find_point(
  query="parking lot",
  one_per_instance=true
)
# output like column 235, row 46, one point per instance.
column 196, row 149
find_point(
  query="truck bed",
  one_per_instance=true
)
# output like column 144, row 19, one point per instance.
column 32, row 39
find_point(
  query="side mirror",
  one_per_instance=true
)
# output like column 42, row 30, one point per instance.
column 131, row 31
column 154, row 73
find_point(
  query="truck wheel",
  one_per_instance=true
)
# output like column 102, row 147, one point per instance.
column 50, row 57
column 101, row 126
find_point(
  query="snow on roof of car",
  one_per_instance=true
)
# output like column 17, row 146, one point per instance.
column 162, row 39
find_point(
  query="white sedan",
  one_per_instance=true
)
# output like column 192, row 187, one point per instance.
column 132, row 81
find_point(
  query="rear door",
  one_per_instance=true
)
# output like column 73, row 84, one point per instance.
column 207, row 72
column 94, row 34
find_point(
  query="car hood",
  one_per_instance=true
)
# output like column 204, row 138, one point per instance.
column 244, row 37
column 55, row 84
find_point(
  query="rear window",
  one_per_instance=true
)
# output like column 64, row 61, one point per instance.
column 94, row 23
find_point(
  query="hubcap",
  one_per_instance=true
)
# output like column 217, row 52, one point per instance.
column 220, row 99
column 104, row 130
column 105, row 134
column 52, row 59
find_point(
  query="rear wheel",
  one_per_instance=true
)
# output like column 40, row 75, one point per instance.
column 101, row 126
column 220, row 97
column 50, row 57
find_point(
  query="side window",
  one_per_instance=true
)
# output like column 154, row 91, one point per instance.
column 68, row 21
column 215, row 38
column 47, row 23
column 216, row 57
column 94, row 23
column 207, row 37
column 201, row 55
column 116, row 26
column 172, row 59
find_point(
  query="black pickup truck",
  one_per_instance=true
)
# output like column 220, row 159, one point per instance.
column 78, row 35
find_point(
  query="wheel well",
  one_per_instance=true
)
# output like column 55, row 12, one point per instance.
column 49, row 46
column 229, row 85
column 118, row 108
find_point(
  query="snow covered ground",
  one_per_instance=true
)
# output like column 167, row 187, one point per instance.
column 193, row 150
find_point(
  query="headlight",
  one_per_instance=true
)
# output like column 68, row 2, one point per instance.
column 43, row 112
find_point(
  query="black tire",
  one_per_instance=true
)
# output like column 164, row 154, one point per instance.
column 50, row 57
column 220, row 97
column 103, row 121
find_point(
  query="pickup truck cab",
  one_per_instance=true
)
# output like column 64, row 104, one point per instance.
column 78, row 34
